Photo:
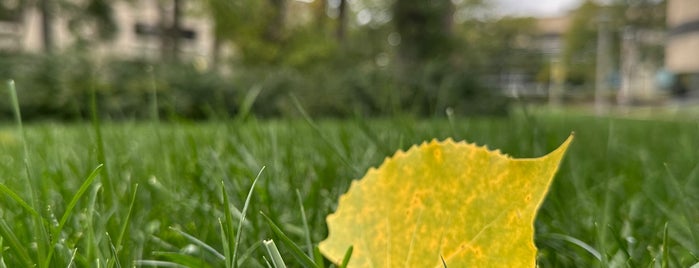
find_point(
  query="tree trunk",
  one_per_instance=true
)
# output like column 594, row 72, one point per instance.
column 216, row 52
column 170, row 28
column 341, row 20
column 425, row 50
column 425, row 28
column 46, row 9
column 275, row 29
column 176, row 29
column 162, row 27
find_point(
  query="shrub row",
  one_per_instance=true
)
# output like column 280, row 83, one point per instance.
column 62, row 86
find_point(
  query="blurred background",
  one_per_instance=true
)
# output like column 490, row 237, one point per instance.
column 209, row 59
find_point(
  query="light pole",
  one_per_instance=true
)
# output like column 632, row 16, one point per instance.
column 603, row 61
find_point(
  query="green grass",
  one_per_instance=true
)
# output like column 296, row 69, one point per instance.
column 627, row 193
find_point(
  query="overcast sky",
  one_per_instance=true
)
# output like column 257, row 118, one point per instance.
column 535, row 7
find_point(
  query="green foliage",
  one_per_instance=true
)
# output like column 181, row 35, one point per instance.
column 90, row 16
column 11, row 10
column 246, row 23
column 368, row 90
column 581, row 42
column 60, row 86
column 614, row 195
column 359, row 73
column 425, row 28
column 366, row 71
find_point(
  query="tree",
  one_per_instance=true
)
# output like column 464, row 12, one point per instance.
column 90, row 20
column 170, row 28
column 425, row 28
column 255, row 29
column 46, row 8
column 222, row 14
column 580, row 43
column 11, row 10
column 275, row 26
column 341, row 20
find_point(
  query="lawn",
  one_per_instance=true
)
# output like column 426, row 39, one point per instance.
column 627, row 193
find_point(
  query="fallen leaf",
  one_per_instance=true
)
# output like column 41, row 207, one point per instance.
column 466, row 204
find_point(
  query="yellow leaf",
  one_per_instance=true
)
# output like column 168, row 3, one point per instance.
column 466, row 204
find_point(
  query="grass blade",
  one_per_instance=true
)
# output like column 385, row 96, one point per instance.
column 38, row 222
column 200, row 243
column 120, row 238
column 348, row 255
column 93, row 249
column 228, row 228
column 183, row 259
column 115, row 256
column 101, row 157
column 242, row 218
column 71, row 263
column 155, row 263
column 306, row 229
column 267, row 262
column 23, row 254
column 243, row 257
column 622, row 245
column 69, row 209
column 295, row 249
column 2, row 254
column 665, row 250
column 315, row 127
column 225, row 241
column 318, row 257
column 128, row 216
column 20, row 129
column 688, row 213
column 277, row 261
column 14, row 196
column 86, row 184
column 578, row 243
column 248, row 101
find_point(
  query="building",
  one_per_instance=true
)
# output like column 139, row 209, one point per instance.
column 142, row 29
column 551, row 31
column 682, row 47
column 551, row 41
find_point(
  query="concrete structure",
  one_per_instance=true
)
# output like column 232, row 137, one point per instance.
column 638, row 76
column 682, row 47
column 139, row 27
column 682, row 50
column 547, row 40
column 550, row 42
column 550, row 34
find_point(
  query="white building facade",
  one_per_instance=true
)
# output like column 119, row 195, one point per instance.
column 139, row 25
column 682, row 47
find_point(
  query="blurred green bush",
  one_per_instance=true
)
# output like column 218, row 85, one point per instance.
column 60, row 87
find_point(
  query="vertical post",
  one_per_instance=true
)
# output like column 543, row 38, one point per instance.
column 163, row 26
column 341, row 21
column 556, row 81
column 629, row 65
column 46, row 7
column 175, row 30
column 603, row 61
